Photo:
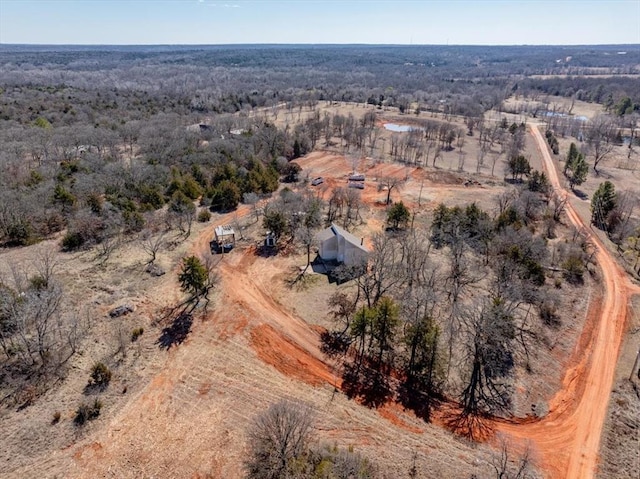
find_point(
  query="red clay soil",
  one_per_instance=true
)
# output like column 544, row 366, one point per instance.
column 567, row 439
column 276, row 349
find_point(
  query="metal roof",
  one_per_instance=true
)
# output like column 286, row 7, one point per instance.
column 224, row 230
column 335, row 230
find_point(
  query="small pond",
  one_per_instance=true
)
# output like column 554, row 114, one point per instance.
column 398, row 128
column 564, row 115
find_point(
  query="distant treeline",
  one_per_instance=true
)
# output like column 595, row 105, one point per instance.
column 233, row 78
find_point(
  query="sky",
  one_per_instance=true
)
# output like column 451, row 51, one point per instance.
column 461, row 22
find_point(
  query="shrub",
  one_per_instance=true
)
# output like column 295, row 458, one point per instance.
column 191, row 188
column 136, row 333
column 72, row 241
column 38, row 282
column 56, row 417
column 95, row 203
column 20, row 233
column 100, row 375
column 87, row 412
column 53, row 222
column 204, row 216
column 133, row 221
column 549, row 314
column 573, row 269
column 225, row 196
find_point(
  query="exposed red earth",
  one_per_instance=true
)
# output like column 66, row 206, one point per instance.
column 565, row 441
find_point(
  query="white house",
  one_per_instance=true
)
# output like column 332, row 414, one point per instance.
column 339, row 245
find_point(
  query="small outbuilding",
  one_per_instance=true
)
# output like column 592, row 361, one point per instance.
column 225, row 239
column 270, row 240
column 337, row 244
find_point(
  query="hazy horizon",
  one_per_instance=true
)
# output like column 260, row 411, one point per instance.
column 122, row 45
column 349, row 22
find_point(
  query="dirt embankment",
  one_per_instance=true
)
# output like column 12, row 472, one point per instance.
column 566, row 440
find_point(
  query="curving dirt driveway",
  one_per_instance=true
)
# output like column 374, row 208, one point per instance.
column 568, row 438
column 144, row 433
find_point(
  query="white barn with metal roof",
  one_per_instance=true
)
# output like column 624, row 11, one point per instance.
column 337, row 244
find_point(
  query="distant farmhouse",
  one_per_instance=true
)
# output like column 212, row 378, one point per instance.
column 339, row 245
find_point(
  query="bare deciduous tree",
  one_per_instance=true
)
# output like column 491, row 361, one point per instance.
column 277, row 437
column 599, row 139
column 388, row 184
column 252, row 199
column 489, row 332
column 151, row 245
column 509, row 465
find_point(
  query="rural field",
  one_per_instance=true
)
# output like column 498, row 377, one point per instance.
column 492, row 329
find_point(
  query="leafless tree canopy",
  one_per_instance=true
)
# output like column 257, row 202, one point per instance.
column 509, row 464
column 276, row 438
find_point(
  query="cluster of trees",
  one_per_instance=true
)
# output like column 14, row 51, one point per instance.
column 619, row 94
column 282, row 445
column 294, row 216
column 103, row 155
column 478, row 304
column 575, row 167
column 552, row 141
column 613, row 212
column 104, row 160
column 422, row 145
column 98, row 196
column 463, row 79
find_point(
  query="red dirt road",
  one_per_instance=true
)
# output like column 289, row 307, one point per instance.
column 208, row 384
column 568, row 438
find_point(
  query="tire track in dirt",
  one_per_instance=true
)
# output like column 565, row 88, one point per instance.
column 568, row 437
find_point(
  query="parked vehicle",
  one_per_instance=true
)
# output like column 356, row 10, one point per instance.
column 317, row 181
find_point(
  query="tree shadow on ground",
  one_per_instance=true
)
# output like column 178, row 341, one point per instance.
column 580, row 194
column 342, row 273
column 514, row 181
column 176, row 332
column 368, row 386
column 264, row 251
column 421, row 403
column 334, row 343
column 475, row 427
